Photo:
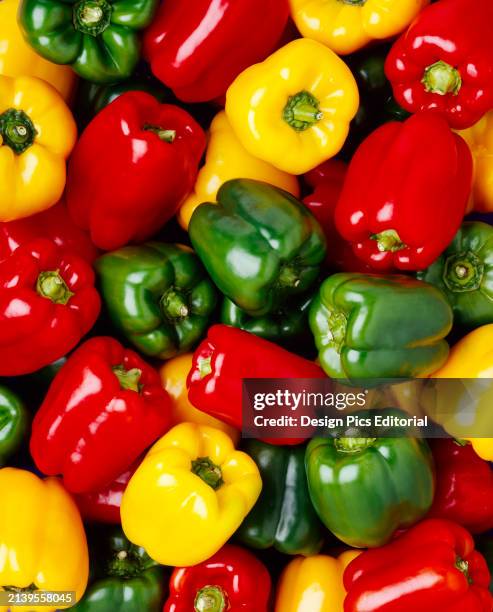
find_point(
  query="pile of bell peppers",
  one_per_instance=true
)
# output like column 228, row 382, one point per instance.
column 195, row 193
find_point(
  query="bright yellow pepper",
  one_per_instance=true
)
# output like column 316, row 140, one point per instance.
column 348, row 25
column 37, row 134
column 174, row 378
column 189, row 495
column 17, row 58
column 42, row 538
column 313, row 584
column 227, row 159
column 479, row 137
column 293, row 110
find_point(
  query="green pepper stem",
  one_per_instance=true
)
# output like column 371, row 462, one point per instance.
column 463, row 272
column 463, row 566
column 205, row 367
column 17, row 130
column 128, row 379
column 302, row 111
column 174, row 305
column 289, row 277
column 161, row 133
column 353, row 445
column 211, row 598
column 51, row 285
column 208, row 471
column 388, row 240
column 442, row 78
column 92, row 17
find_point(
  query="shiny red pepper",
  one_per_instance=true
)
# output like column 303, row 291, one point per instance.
column 55, row 224
column 405, row 193
column 464, row 487
column 432, row 567
column 444, row 62
column 47, row 303
column 198, row 47
column 131, row 169
column 103, row 409
column 232, row 579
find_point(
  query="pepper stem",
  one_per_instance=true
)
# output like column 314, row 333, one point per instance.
column 302, row 111
column 17, row 130
column 92, row 16
column 353, row 445
column 128, row 379
column 211, row 598
column 463, row 272
column 388, row 240
column 353, row 2
column 174, row 305
column 208, row 471
column 442, row 78
column 463, row 566
column 161, row 133
column 289, row 277
column 51, row 285
column 205, row 367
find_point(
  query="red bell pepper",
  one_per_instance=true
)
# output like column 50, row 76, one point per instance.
column 55, row 224
column 47, row 303
column 232, row 579
column 131, row 169
column 432, row 567
column 405, row 193
column 444, row 62
column 103, row 409
column 464, row 487
column 198, row 47
column 225, row 358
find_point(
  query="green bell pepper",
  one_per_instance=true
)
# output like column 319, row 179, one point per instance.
column 260, row 245
column 98, row 38
column 377, row 326
column 124, row 577
column 283, row 516
column 364, row 489
column 464, row 272
column 14, row 421
column 158, row 295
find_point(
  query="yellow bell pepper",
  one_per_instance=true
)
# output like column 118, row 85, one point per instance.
column 479, row 137
column 37, row 134
column 42, row 540
column 189, row 495
column 293, row 110
column 174, row 378
column 348, row 25
column 313, row 584
column 17, row 58
column 227, row 159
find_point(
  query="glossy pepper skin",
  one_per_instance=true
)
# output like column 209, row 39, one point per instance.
column 55, row 224
column 37, row 134
column 14, row 422
column 225, row 358
column 391, row 486
column 227, row 159
column 267, row 247
column 372, row 326
column 47, row 304
column 444, row 62
column 158, row 295
column 98, row 38
column 405, row 193
column 104, row 408
column 125, row 577
column 39, row 526
column 232, row 579
column 283, row 516
column 464, row 486
column 479, row 137
column 313, row 584
column 198, row 47
column 291, row 117
column 436, row 557
column 195, row 480
column 463, row 273
column 350, row 25
column 156, row 146
column 17, row 58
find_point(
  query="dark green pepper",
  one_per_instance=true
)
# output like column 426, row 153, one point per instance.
column 464, row 272
column 98, row 38
column 125, row 578
column 283, row 516
column 377, row 326
column 365, row 488
column 260, row 245
column 158, row 295
column 14, row 421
